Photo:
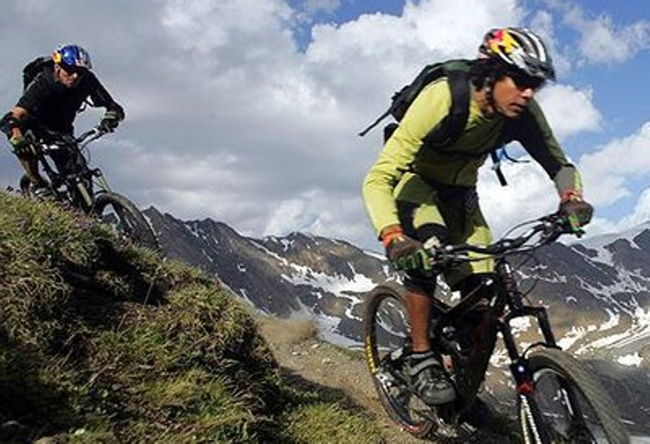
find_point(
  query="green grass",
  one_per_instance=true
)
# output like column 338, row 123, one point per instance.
column 103, row 342
column 324, row 422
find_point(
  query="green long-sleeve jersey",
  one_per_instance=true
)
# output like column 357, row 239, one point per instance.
column 457, row 163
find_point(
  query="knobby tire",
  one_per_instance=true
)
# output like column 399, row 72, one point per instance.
column 386, row 329
column 592, row 398
column 25, row 186
column 132, row 223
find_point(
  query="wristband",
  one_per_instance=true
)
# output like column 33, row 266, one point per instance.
column 570, row 195
column 389, row 234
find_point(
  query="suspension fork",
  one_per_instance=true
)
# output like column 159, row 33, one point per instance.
column 519, row 366
column 521, row 372
column 84, row 192
column 514, row 299
column 525, row 387
column 101, row 180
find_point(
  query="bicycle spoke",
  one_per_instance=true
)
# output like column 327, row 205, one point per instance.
column 571, row 420
column 387, row 339
column 571, row 406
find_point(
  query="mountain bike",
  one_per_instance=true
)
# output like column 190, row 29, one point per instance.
column 558, row 399
column 73, row 182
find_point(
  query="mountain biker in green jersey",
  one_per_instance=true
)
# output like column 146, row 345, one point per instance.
column 51, row 101
column 417, row 194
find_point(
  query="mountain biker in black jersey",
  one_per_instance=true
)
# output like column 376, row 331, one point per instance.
column 419, row 194
column 50, row 103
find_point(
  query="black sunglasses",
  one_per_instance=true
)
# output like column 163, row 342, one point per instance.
column 73, row 69
column 525, row 81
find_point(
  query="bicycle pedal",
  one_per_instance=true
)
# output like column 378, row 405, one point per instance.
column 385, row 378
column 397, row 354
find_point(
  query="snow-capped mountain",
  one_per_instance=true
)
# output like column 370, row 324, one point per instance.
column 597, row 291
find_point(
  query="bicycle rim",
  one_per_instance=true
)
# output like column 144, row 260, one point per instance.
column 571, row 404
column 387, row 332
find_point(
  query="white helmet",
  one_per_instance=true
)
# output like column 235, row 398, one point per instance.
column 520, row 48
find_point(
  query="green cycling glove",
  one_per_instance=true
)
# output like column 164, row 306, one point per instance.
column 404, row 252
column 109, row 122
column 576, row 210
column 20, row 145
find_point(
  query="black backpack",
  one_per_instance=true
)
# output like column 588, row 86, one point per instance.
column 452, row 126
column 457, row 71
column 33, row 68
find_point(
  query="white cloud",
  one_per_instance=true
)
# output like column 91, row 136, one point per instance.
column 321, row 213
column 641, row 212
column 570, row 110
column 530, row 194
column 602, row 41
column 608, row 172
column 640, row 215
column 229, row 118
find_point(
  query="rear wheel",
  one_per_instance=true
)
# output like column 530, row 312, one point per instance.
column 45, row 193
column 25, row 186
column 125, row 218
column 387, row 332
column 568, row 404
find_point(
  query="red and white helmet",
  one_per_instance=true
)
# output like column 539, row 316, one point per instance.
column 521, row 48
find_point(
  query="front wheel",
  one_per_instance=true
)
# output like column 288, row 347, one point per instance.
column 125, row 218
column 567, row 404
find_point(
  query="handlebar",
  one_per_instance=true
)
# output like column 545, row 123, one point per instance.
column 547, row 229
column 90, row 136
column 58, row 140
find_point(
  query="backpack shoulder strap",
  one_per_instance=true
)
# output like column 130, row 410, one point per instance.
column 452, row 126
column 496, row 166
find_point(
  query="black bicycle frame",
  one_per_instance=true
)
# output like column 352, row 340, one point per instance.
column 471, row 365
column 79, row 184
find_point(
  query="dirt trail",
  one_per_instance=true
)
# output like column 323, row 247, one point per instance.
column 299, row 351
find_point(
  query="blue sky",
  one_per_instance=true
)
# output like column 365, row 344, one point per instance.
column 246, row 111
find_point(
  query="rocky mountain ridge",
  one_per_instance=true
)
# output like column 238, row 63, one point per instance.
column 597, row 292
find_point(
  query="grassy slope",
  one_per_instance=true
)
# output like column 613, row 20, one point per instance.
column 101, row 342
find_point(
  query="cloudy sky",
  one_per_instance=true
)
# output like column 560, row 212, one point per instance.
column 246, row 111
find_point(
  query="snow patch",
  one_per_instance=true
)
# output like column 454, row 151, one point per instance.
column 633, row 360
column 519, row 325
column 575, row 334
column 337, row 284
column 612, row 322
column 271, row 253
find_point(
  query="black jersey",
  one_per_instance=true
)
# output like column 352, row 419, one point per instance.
column 54, row 106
